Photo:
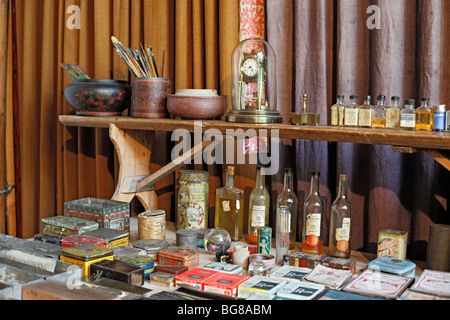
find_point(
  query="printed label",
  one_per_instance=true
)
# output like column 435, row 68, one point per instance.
column 392, row 116
column 351, row 117
column 365, row 117
column 258, row 216
column 226, row 205
column 408, row 120
column 313, row 224
column 337, row 116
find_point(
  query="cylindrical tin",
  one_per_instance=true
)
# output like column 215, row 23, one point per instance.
column 151, row 246
column 149, row 98
column 187, row 238
column 438, row 257
column 152, row 225
column 264, row 239
column 192, row 199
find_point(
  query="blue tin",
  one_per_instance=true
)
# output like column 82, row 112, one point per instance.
column 142, row 261
column 264, row 240
column 392, row 265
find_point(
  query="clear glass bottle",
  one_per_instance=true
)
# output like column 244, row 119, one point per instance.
column 229, row 213
column 313, row 211
column 286, row 217
column 379, row 113
column 408, row 115
column 337, row 112
column 351, row 112
column 424, row 116
column 393, row 114
column 340, row 221
column 259, row 205
column 365, row 113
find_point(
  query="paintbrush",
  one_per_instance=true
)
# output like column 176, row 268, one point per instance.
column 127, row 57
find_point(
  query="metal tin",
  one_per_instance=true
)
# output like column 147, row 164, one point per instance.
column 145, row 262
column 78, row 239
column 107, row 213
column 162, row 279
column 187, row 239
column 122, row 251
column 151, row 246
column 113, row 237
column 66, row 226
column 120, row 271
column 200, row 236
column 85, row 255
column 392, row 243
column 171, row 268
column 394, row 266
column 152, row 225
column 264, row 239
column 439, row 118
column 49, row 238
column 192, row 199
column 438, row 255
column 178, row 255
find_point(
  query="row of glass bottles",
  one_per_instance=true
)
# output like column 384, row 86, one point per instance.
column 386, row 117
column 229, row 215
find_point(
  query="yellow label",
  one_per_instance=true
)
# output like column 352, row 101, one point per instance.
column 118, row 243
column 86, row 265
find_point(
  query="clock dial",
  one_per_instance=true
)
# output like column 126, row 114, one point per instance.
column 250, row 67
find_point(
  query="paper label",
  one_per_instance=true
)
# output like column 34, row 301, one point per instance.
column 313, row 224
column 258, row 216
column 226, row 205
column 365, row 117
column 351, row 117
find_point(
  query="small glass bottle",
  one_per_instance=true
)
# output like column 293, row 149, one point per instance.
column 313, row 210
column 408, row 115
column 379, row 113
column 337, row 112
column 351, row 112
column 424, row 116
column 365, row 113
column 229, row 213
column 259, row 205
column 286, row 217
column 340, row 221
column 439, row 116
column 393, row 114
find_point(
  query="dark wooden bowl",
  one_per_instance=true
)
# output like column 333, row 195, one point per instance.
column 197, row 107
column 98, row 97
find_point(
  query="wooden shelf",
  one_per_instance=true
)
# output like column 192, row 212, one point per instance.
column 397, row 138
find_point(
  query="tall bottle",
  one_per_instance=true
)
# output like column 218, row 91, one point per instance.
column 229, row 212
column 313, row 217
column 393, row 114
column 424, row 116
column 408, row 115
column 340, row 222
column 351, row 112
column 365, row 113
column 337, row 112
column 259, row 205
column 287, row 203
column 379, row 113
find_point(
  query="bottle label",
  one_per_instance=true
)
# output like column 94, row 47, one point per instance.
column 226, row 205
column 258, row 216
column 365, row 117
column 313, row 224
column 351, row 117
column 337, row 116
column 343, row 233
column 392, row 116
column 408, row 120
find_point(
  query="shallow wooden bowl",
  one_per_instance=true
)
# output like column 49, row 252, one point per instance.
column 197, row 107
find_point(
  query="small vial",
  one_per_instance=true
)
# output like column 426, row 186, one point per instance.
column 439, row 116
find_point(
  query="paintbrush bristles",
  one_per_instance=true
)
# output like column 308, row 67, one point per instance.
column 140, row 62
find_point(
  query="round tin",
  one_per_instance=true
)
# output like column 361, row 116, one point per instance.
column 151, row 246
column 152, row 225
column 145, row 262
column 192, row 199
column 264, row 239
column 187, row 238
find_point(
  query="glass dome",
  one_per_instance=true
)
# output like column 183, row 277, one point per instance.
column 254, row 83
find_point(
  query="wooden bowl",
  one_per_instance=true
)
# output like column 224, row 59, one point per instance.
column 98, row 97
column 197, row 107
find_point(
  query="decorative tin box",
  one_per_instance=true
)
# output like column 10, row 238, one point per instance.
column 66, row 226
column 182, row 256
column 392, row 265
column 85, row 255
column 306, row 260
column 290, row 273
column 224, row 267
column 224, row 283
column 145, row 262
column 163, row 279
column 107, row 213
column 299, row 290
column 392, row 243
column 49, row 238
column 171, row 268
column 195, row 277
column 151, row 246
column 113, row 237
column 77, row 239
column 118, row 270
column 260, row 284
column 123, row 251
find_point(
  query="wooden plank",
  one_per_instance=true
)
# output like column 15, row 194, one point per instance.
column 441, row 157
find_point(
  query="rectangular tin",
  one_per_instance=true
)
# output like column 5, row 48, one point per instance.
column 145, row 262
column 195, row 277
column 299, row 290
column 107, row 213
column 49, row 238
column 182, row 256
column 289, row 273
column 392, row 265
column 171, row 268
column 78, row 239
column 66, row 226
column 392, row 243
column 118, row 270
column 260, row 284
column 122, row 251
column 85, row 255
column 224, row 283
column 163, row 279
column 113, row 237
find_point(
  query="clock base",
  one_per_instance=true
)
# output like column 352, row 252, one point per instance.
column 254, row 116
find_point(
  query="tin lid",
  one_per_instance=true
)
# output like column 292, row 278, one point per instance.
column 77, row 239
column 97, row 206
column 108, row 234
column 440, row 108
column 151, row 214
column 392, row 265
column 265, row 230
column 178, row 253
column 71, row 223
column 86, row 252
column 139, row 260
column 123, row 251
column 193, row 176
column 151, row 246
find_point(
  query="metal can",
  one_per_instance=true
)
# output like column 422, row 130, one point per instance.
column 264, row 239
column 192, row 199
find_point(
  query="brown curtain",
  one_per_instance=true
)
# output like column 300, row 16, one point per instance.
column 332, row 51
column 61, row 164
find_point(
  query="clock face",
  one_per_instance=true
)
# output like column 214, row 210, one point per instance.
column 250, row 67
